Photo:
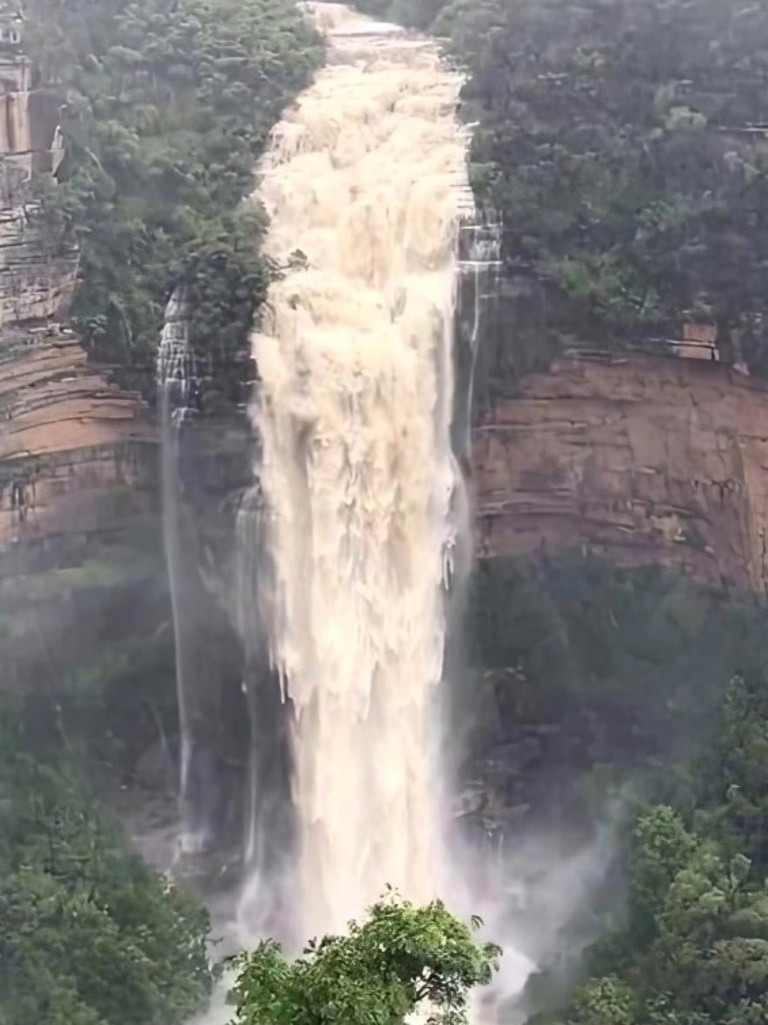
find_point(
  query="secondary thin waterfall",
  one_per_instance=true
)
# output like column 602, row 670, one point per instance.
column 176, row 382
column 366, row 188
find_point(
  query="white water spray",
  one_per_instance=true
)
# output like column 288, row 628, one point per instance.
column 367, row 179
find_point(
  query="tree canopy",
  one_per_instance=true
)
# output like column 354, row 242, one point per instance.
column 402, row 958
column 88, row 934
column 693, row 948
column 166, row 107
column 622, row 144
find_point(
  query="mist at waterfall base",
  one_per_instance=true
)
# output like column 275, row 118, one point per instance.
column 355, row 540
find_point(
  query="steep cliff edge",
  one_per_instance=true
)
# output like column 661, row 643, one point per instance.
column 640, row 461
column 75, row 450
column 77, row 453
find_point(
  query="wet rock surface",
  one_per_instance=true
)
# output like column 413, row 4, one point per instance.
column 640, row 460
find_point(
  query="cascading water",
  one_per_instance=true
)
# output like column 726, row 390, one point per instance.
column 367, row 180
column 176, row 378
column 358, row 525
column 479, row 267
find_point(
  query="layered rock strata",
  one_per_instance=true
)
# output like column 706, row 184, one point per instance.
column 639, row 460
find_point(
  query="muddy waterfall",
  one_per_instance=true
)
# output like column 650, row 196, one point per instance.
column 365, row 186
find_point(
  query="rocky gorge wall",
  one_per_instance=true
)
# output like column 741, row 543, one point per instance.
column 639, row 460
column 620, row 509
column 78, row 454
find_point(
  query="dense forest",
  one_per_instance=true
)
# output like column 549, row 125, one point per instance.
column 674, row 680
column 623, row 147
column 88, row 934
column 692, row 946
column 166, row 106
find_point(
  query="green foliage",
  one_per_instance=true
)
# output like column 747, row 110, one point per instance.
column 648, row 657
column 621, row 144
column 168, row 105
column 649, row 652
column 736, row 772
column 400, row 959
column 662, row 847
column 614, row 144
column 88, row 934
column 694, row 947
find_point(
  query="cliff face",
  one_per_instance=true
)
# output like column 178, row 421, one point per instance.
column 68, row 437
column 640, row 460
column 77, row 454
column 75, row 451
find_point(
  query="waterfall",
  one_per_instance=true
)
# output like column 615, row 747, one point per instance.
column 366, row 188
column 479, row 266
column 176, row 378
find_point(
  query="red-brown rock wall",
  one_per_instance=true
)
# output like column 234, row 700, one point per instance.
column 643, row 460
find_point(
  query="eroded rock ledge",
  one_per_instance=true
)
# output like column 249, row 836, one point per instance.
column 80, row 565
column 640, row 460
column 69, row 438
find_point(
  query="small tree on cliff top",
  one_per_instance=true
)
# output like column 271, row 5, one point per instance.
column 402, row 958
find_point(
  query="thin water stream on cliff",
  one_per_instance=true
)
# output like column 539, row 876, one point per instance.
column 176, row 376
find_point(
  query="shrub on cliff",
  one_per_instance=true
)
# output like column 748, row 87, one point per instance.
column 88, row 934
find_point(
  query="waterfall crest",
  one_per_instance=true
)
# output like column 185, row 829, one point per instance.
column 366, row 188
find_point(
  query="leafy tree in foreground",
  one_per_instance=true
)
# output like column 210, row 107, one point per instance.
column 401, row 959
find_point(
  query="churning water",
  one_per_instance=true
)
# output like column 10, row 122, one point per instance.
column 366, row 186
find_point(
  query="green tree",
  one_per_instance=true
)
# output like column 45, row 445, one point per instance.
column 401, row 958
column 734, row 777
column 88, row 934
column 694, row 950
